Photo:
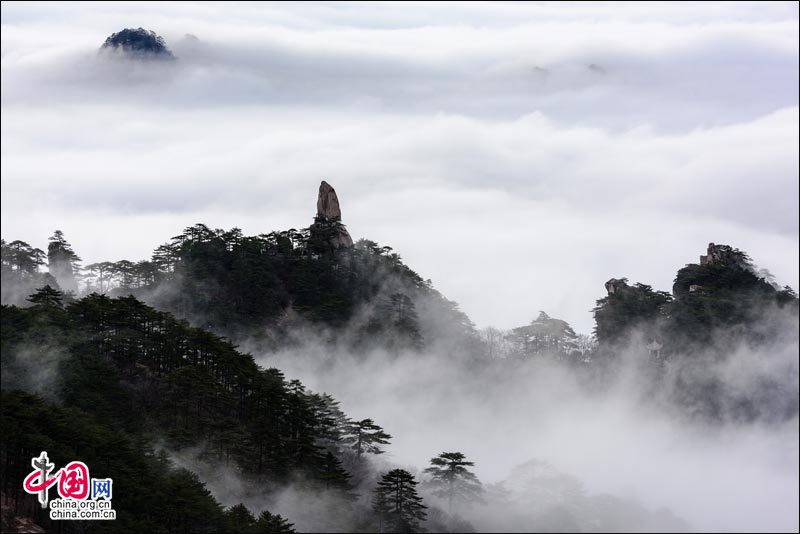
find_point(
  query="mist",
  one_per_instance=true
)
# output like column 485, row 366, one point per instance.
column 516, row 156
column 547, row 134
column 624, row 436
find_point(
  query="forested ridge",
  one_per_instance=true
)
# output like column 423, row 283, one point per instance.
column 118, row 363
column 236, row 285
column 127, row 376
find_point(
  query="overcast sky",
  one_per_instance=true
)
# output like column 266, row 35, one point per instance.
column 519, row 155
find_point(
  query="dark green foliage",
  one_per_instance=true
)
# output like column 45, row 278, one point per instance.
column 366, row 437
column 62, row 262
column 545, row 336
column 396, row 503
column 99, row 276
column 720, row 300
column 47, row 297
column 728, row 256
column 302, row 452
column 453, row 481
column 721, row 297
column 21, row 257
column 628, row 308
column 334, row 477
column 273, row 524
column 722, row 309
column 258, row 286
column 142, row 373
column 138, row 42
column 33, row 345
column 394, row 324
column 235, row 284
column 332, row 423
column 189, row 504
column 239, row 519
column 149, row 495
column 19, row 271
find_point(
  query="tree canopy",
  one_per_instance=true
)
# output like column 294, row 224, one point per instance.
column 452, row 480
column 397, row 504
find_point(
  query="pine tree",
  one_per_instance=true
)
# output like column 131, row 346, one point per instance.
column 366, row 437
column 626, row 308
column 19, row 272
column 20, row 257
column 302, row 450
column 48, row 297
column 452, row 479
column 239, row 519
column 396, row 503
column 331, row 424
column 334, row 476
column 100, row 276
column 62, row 262
column 273, row 524
column 544, row 336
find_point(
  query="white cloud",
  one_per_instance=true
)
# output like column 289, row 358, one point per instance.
column 517, row 154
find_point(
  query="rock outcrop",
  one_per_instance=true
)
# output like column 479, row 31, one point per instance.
column 617, row 285
column 328, row 225
column 328, row 203
column 725, row 255
column 718, row 264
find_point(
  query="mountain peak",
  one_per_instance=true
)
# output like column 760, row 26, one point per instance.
column 726, row 255
column 138, row 43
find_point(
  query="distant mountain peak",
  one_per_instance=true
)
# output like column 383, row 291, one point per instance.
column 137, row 43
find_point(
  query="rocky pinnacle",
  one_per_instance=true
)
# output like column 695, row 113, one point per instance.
column 328, row 203
column 329, row 216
